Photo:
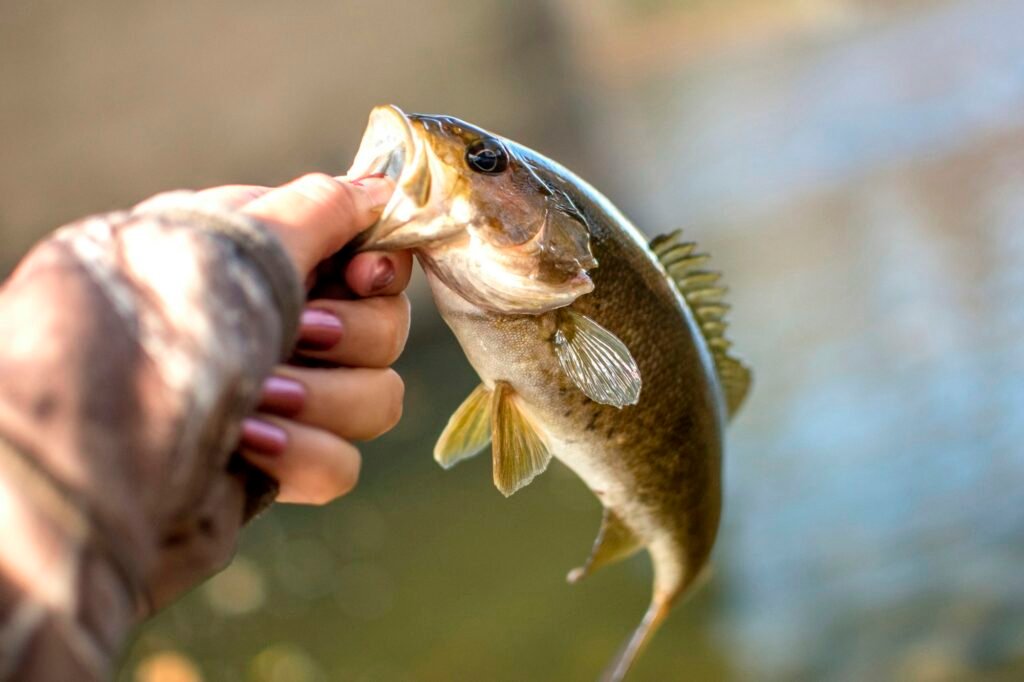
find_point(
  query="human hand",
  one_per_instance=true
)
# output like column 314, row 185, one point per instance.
column 310, row 415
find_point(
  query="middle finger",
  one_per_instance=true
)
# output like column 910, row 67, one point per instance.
column 370, row 332
column 353, row 403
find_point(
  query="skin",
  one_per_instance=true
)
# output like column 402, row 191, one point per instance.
column 308, row 441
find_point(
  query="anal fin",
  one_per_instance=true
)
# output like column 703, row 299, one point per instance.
column 468, row 430
column 520, row 454
column 614, row 542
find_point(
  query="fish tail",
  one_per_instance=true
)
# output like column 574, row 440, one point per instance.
column 634, row 646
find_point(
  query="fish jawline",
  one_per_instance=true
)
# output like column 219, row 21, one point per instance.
column 391, row 146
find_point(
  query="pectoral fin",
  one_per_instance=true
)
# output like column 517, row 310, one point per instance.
column 468, row 431
column 596, row 360
column 519, row 451
column 614, row 542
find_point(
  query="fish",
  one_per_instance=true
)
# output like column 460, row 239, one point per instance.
column 594, row 345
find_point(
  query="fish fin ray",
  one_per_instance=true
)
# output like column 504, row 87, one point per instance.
column 519, row 451
column 614, row 542
column 703, row 293
column 736, row 379
column 638, row 641
column 664, row 242
column 597, row 361
column 468, row 430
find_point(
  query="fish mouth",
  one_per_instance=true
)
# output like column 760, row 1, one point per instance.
column 392, row 148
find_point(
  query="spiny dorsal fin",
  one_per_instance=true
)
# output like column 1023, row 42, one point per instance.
column 703, row 292
column 468, row 430
column 520, row 454
column 614, row 542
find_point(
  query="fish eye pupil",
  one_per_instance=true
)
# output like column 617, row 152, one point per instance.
column 487, row 156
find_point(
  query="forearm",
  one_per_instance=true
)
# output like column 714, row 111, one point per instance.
column 130, row 347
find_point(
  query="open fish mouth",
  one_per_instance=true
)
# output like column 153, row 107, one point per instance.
column 391, row 147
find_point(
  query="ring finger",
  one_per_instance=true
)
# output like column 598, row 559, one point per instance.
column 354, row 403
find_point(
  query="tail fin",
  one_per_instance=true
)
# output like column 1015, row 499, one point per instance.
column 624, row 660
column 661, row 605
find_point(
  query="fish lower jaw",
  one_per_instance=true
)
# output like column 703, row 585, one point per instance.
column 390, row 147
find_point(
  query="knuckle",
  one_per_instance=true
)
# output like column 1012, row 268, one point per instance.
column 396, row 399
column 388, row 407
column 397, row 328
column 347, row 472
column 324, row 190
column 340, row 477
column 404, row 316
column 317, row 184
column 393, row 343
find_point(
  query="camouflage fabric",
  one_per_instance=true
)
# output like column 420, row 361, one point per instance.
column 133, row 343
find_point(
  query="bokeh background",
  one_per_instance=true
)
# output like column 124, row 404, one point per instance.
column 855, row 166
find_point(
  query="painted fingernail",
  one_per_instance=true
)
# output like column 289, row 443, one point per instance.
column 383, row 275
column 282, row 396
column 319, row 330
column 263, row 437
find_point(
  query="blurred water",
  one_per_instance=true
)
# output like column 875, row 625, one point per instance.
column 855, row 167
column 867, row 192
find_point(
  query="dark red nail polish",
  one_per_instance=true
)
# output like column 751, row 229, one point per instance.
column 383, row 274
column 263, row 437
column 282, row 396
column 319, row 330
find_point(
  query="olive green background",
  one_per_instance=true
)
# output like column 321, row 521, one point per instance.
column 856, row 167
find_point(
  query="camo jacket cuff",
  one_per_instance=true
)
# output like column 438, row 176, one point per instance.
column 132, row 344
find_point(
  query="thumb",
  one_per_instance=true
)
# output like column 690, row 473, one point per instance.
column 316, row 215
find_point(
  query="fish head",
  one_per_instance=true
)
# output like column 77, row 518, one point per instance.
column 477, row 211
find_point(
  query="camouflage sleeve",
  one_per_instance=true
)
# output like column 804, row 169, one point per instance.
column 131, row 345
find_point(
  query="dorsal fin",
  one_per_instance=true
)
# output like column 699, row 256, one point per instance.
column 703, row 292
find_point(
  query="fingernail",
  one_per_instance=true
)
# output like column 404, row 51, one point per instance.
column 383, row 275
column 282, row 396
column 264, row 437
column 319, row 330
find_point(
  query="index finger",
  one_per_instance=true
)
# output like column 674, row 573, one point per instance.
column 316, row 215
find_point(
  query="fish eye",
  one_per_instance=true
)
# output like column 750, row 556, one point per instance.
column 487, row 156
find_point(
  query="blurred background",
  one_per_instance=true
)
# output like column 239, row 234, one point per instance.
column 855, row 166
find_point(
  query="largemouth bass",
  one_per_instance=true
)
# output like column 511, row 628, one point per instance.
column 592, row 345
